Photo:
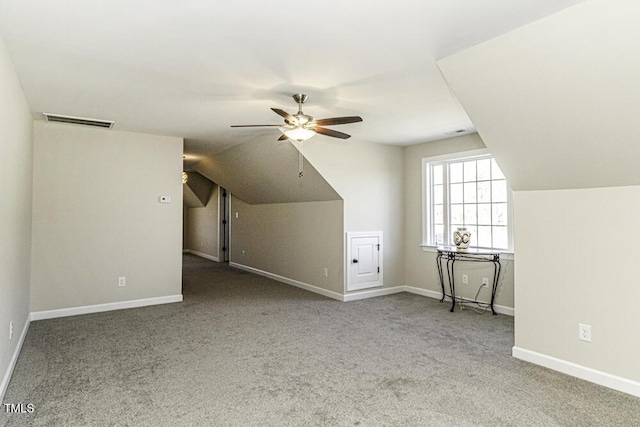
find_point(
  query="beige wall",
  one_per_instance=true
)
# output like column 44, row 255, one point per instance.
column 293, row 240
column 420, row 266
column 369, row 177
column 16, row 163
column 575, row 249
column 203, row 227
column 97, row 216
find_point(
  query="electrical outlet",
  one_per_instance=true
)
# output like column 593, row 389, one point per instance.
column 11, row 330
column 325, row 272
column 584, row 332
column 485, row 281
column 465, row 278
column 122, row 282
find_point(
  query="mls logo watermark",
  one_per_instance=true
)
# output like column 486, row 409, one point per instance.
column 19, row 408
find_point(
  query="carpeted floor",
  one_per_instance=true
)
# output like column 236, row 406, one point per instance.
column 242, row 350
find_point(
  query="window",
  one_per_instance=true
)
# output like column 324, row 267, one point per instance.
column 467, row 190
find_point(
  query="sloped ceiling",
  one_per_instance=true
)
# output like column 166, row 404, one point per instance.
column 197, row 187
column 557, row 101
column 201, row 186
column 265, row 170
column 189, row 198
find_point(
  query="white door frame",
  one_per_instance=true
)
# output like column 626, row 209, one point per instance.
column 222, row 214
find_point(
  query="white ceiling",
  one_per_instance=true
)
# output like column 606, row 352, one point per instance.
column 193, row 68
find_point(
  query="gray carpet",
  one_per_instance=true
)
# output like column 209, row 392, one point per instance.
column 242, row 350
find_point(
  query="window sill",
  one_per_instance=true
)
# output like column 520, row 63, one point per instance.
column 506, row 255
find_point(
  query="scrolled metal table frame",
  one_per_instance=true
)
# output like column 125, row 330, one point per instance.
column 453, row 254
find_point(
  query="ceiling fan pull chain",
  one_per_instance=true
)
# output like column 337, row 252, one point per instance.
column 300, row 162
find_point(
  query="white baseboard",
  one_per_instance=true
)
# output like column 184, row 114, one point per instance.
column 12, row 363
column 354, row 296
column 75, row 311
column 358, row 295
column 503, row 309
column 424, row 292
column 297, row 284
column 588, row 374
column 202, row 255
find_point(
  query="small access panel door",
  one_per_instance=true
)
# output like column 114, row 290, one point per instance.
column 364, row 260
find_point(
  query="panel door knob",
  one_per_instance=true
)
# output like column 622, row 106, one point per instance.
column 355, row 261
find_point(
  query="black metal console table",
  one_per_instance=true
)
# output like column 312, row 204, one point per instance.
column 452, row 254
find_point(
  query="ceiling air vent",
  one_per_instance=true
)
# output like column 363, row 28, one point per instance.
column 78, row 120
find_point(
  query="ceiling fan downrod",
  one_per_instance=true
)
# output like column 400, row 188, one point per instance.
column 300, row 98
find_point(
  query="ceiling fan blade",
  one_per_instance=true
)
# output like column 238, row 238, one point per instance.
column 338, row 120
column 330, row 132
column 288, row 117
column 254, row 126
column 283, row 137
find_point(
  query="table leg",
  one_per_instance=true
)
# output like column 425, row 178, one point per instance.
column 452, row 285
column 497, row 268
column 439, row 262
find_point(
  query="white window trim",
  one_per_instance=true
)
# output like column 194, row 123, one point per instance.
column 460, row 155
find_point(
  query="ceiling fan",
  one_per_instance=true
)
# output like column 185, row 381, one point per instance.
column 300, row 126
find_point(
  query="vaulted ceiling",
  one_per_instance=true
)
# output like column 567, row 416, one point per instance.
column 193, row 68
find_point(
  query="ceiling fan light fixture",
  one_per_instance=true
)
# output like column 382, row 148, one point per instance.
column 298, row 133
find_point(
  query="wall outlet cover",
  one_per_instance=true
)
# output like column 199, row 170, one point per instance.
column 584, row 332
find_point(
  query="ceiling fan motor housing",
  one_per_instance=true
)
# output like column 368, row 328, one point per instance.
column 300, row 98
